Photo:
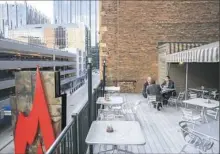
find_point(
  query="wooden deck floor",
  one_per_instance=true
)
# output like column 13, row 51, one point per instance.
column 160, row 129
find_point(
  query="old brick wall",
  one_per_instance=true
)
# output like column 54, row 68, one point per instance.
column 130, row 30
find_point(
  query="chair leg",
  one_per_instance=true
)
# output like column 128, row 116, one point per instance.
column 216, row 115
column 206, row 118
column 183, row 148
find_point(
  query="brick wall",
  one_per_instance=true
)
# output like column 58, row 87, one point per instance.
column 130, row 30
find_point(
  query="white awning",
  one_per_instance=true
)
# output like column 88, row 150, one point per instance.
column 207, row 53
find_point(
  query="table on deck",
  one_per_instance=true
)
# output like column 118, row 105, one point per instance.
column 166, row 90
column 125, row 133
column 203, row 103
column 113, row 101
column 198, row 90
column 112, row 89
column 209, row 129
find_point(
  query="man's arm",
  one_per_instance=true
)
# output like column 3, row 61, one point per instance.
column 159, row 87
column 147, row 90
column 145, row 86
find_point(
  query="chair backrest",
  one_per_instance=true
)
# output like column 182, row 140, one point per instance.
column 136, row 104
column 181, row 95
column 192, row 95
column 199, row 142
column 151, row 98
column 187, row 112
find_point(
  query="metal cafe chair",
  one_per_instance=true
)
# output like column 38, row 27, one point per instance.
column 177, row 100
column 191, row 115
column 213, row 112
column 110, row 114
column 152, row 99
column 200, row 142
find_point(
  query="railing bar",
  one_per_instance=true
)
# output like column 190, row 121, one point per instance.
column 71, row 140
column 68, row 141
column 64, row 144
column 62, row 149
column 59, row 138
column 73, row 137
column 77, row 132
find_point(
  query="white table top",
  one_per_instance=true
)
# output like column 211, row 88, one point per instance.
column 113, row 100
column 125, row 133
column 116, row 89
column 164, row 90
column 202, row 102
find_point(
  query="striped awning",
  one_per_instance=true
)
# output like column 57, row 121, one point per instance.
column 207, row 53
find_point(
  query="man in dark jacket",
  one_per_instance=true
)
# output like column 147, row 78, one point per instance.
column 168, row 83
column 154, row 89
column 147, row 83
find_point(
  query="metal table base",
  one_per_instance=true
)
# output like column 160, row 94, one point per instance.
column 115, row 148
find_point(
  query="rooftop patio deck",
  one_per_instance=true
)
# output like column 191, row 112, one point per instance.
column 160, row 128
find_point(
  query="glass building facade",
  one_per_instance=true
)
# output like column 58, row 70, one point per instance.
column 71, row 12
column 18, row 14
column 76, row 11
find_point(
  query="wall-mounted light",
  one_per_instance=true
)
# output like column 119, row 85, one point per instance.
column 181, row 63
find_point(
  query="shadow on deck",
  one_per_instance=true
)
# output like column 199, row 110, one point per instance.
column 161, row 129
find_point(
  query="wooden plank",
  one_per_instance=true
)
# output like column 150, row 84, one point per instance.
column 160, row 128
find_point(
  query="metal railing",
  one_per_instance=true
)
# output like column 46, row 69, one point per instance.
column 72, row 138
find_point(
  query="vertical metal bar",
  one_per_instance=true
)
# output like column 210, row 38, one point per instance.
column 77, row 132
column 174, row 47
column 68, row 141
column 90, row 102
column 71, row 139
column 186, row 86
column 104, row 65
column 63, row 145
column 170, row 48
column 178, row 47
column 64, row 141
column 94, row 102
column 182, row 48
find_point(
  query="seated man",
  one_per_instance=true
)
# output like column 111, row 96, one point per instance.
column 154, row 89
column 168, row 83
column 145, row 87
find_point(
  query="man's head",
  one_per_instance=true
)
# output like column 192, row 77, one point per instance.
column 149, row 79
column 167, row 78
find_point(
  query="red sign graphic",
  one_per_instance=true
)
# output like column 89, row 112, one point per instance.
column 27, row 126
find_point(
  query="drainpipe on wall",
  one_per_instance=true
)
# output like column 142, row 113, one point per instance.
column 186, row 90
